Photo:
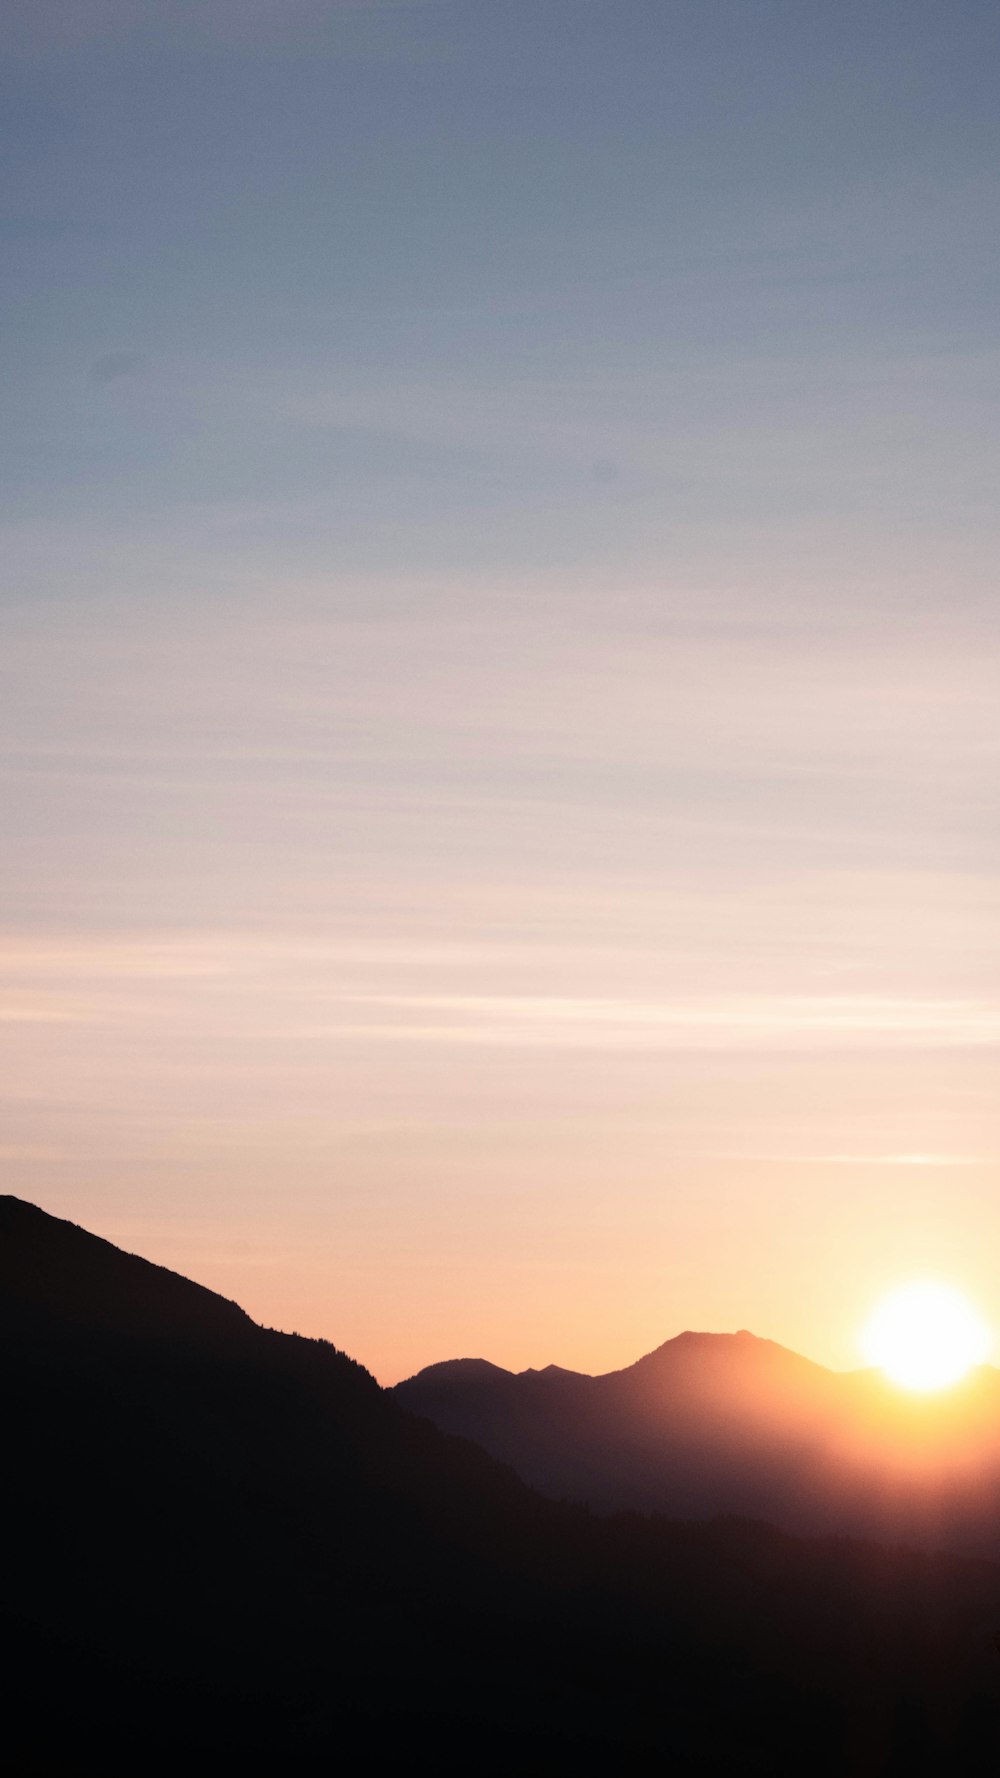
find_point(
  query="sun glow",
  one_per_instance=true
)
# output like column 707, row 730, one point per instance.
column 925, row 1336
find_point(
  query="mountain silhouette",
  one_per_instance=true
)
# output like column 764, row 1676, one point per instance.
column 61, row 1273
column 711, row 1424
column 228, row 1548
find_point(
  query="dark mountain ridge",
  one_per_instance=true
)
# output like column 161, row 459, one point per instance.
column 56, row 1270
column 228, row 1547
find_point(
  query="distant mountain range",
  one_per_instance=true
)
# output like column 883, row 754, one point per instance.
column 226, row 1549
column 728, row 1423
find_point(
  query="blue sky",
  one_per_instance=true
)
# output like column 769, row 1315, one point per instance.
column 428, row 285
column 500, row 656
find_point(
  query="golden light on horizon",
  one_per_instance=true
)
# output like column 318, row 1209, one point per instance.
column 925, row 1336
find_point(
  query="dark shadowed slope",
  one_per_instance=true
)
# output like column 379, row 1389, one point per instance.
column 228, row 1549
column 727, row 1423
column 59, row 1272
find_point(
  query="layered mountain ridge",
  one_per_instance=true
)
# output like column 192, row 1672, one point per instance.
column 712, row 1423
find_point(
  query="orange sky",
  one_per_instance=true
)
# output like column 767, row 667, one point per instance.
column 505, row 1061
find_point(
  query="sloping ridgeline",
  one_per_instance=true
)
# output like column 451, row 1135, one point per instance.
column 227, row 1548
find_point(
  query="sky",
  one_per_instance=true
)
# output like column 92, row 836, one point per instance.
column 499, row 660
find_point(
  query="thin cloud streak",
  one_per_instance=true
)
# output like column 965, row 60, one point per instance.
column 778, row 1158
column 726, row 1023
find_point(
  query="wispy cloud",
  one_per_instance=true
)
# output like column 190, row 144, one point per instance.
column 110, row 366
column 783, row 1158
column 724, row 1023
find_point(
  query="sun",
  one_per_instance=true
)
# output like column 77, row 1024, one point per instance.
column 926, row 1335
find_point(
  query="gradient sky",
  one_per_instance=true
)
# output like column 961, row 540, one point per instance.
column 500, row 659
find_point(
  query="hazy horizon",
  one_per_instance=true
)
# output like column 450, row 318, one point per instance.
column 500, row 651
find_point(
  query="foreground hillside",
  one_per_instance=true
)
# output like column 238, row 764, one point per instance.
column 228, row 1548
column 726, row 1423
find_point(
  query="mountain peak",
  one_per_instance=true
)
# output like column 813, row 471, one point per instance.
column 552, row 1371
column 722, row 1349
column 459, row 1370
